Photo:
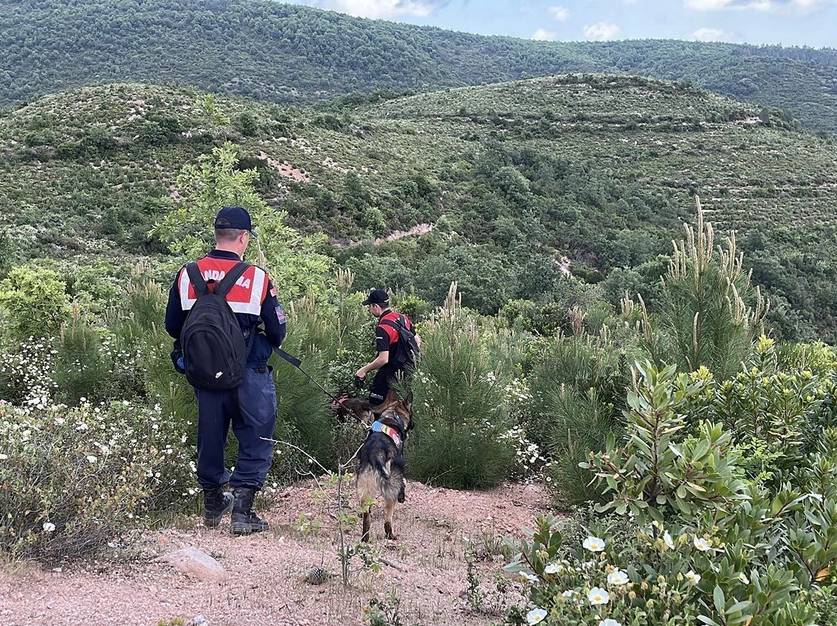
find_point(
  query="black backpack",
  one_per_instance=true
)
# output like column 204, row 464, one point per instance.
column 214, row 346
column 406, row 349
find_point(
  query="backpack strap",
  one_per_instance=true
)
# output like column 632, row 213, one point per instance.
column 399, row 324
column 196, row 278
column 223, row 288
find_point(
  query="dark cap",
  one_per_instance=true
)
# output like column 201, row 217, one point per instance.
column 377, row 296
column 234, row 217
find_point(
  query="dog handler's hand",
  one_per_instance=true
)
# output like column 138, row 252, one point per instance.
column 361, row 374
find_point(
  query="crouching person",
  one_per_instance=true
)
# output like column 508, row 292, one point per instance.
column 225, row 318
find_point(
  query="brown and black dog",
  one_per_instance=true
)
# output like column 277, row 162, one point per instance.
column 381, row 462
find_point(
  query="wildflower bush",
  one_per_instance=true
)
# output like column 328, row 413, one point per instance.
column 74, row 479
column 690, row 533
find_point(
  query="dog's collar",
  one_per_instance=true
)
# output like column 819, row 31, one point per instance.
column 392, row 433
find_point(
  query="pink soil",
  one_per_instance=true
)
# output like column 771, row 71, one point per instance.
column 425, row 567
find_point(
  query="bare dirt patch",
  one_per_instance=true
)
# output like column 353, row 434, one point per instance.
column 426, row 568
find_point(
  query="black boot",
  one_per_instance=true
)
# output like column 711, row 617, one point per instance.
column 216, row 504
column 244, row 519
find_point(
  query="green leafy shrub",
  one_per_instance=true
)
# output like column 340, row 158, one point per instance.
column 75, row 479
column 462, row 420
column 34, row 302
column 661, row 466
column 621, row 574
column 695, row 538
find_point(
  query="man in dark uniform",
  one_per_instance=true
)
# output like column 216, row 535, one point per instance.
column 250, row 407
column 386, row 343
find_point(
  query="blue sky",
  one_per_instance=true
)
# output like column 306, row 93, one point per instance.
column 789, row 22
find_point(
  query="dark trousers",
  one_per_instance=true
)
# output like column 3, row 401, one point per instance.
column 251, row 408
column 384, row 379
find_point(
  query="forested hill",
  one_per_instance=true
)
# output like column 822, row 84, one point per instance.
column 283, row 53
column 513, row 184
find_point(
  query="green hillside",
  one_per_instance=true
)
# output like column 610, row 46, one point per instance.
column 519, row 182
column 283, row 53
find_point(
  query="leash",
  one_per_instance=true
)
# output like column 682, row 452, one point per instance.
column 297, row 363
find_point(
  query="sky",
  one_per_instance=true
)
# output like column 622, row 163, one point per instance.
column 788, row 22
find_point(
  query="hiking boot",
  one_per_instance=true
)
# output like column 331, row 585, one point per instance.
column 244, row 519
column 216, row 504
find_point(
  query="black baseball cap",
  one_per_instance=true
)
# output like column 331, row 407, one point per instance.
column 234, row 217
column 377, row 296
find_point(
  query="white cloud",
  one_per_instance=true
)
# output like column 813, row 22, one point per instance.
column 601, row 31
column 559, row 13
column 712, row 34
column 544, row 35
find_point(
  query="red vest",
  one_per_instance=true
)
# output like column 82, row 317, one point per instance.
column 247, row 294
column 389, row 330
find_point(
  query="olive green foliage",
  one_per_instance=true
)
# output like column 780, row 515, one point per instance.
column 312, row 54
column 414, row 194
column 663, row 464
column 296, row 262
column 460, row 405
column 33, row 302
column 709, row 313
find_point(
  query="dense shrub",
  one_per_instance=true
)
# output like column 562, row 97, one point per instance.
column 460, row 401
column 693, row 539
column 75, row 479
column 33, row 301
column 708, row 312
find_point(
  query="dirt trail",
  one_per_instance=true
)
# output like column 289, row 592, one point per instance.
column 425, row 567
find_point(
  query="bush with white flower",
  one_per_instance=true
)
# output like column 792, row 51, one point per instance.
column 75, row 478
column 689, row 535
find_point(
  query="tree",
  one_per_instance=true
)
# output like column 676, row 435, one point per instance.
column 708, row 311
column 296, row 262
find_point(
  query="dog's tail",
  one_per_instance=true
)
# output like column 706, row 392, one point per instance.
column 372, row 478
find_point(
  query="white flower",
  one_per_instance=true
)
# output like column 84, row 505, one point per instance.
column 3, row 457
column 693, row 578
column 702, row 544
column 535, row 616
column 569, row 593
column 594, row 544
column 597, row 595
column 91, row 458
column 49, row 527
column 530, row 577
column 617, row 578
column 609, row 622
column 743, row 578
column 668, row 540
column 552, row 568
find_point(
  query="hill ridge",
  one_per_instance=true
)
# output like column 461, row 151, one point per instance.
column 286, row 53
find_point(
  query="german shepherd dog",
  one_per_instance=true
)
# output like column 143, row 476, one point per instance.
column 381, row 462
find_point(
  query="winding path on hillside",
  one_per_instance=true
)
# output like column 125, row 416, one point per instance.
column 426, row 568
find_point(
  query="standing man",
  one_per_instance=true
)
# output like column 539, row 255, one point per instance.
column 396, row 344
column 225, row 319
